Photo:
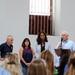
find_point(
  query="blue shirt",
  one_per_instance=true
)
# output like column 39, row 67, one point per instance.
column 67, row 45
column 66, row 68
column 4, row 72
column 4, row 48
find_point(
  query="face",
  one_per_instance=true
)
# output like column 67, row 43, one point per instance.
column 42, row 36
column 64, row 36
column 26, row 43
column 10, row 40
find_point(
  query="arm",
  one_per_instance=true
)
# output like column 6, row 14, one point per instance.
column 21, row 58
column 2, row 59
column 49, row 46
column 73, row 46
column 33, row 55
column 56, row 60
column 12, row 48
column 58, row 45
column 1, row 48
column 36, row 53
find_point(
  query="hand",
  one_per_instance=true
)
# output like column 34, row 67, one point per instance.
column 27, row 64
column 59, row 46
column 2, row 59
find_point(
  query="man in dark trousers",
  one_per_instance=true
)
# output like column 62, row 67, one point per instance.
column 6, row 47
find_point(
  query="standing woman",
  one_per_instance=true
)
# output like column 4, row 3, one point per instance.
column 26, row 55
column 41, row 44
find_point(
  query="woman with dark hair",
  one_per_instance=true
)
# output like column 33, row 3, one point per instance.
column 26, row 55
column 42, row 44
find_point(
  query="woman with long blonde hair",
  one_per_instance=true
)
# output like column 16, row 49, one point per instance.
column 48, row 57
column 71, row 64
column 12, row 64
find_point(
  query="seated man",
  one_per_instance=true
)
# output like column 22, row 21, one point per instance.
column 6, row 47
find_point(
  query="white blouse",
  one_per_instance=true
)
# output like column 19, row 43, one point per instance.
column 37, row 49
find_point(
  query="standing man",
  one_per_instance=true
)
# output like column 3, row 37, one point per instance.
column 65, row 43
column 6, row 47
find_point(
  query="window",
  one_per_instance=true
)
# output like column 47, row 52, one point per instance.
column 40, row 16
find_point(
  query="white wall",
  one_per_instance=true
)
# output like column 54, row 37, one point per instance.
column 14, row 20
column 67, row 20
column 57, row 16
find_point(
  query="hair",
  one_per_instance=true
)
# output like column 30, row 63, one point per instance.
column 23, row 43
column 39, row 39
column 63, row 62
column 71, row 64
column 37, row 67
column 9, row 36
column 48, row 57
column 65, row 32
column 12, row 64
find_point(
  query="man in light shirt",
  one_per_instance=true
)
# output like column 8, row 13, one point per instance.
column 65, row 43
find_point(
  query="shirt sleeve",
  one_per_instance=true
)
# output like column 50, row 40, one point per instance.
column 73, row 46
column 49, row 46
column 6, row 73
column 57, row 45
column 12, row 48
column 56, row 60
column 1, row 47
column 36, row 53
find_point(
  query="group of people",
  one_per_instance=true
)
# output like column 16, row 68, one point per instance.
column 37, row 61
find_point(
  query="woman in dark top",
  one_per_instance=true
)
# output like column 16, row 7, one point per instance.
column 26, row 55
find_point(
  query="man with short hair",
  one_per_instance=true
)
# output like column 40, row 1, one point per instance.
column 65, row 42
column 6, row 47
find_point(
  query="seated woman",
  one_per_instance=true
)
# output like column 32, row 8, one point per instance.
column 71, row 65
column 37, row 67
column 12, row 64
column 48, row 57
